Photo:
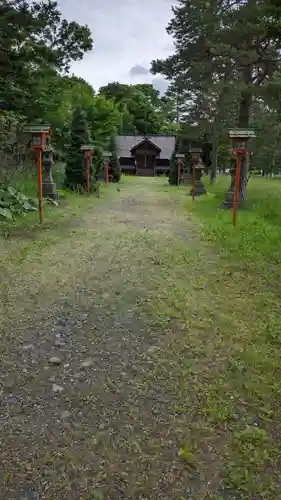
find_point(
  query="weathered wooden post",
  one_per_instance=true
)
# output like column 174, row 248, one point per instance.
column 180, row 158
column 39, row 134
column 239, row 138
column 88, row 151
column 107, row 157
column 197, row 171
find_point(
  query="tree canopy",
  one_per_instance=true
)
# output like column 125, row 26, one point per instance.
column 226, row 64
column 37, row 48
column 145, row 110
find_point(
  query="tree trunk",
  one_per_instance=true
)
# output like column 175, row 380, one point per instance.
column 218, row 128
column 243, row 122
column 214, row 164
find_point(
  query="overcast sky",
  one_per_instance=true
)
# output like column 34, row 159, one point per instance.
column 127, row 34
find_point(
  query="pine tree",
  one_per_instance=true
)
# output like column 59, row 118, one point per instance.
column 115, row 170
column 223, row 50
column 76, row 169
column 173, row 172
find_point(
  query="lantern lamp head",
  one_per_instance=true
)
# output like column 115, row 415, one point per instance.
column 107, row 155
column 39, row 134
column 195, row 152
column 240, row 137
column 87, row 147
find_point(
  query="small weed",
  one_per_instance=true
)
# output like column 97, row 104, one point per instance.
column 186, row 455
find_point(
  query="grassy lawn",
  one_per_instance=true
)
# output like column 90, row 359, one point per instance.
column 246, row 396
column 167, row 378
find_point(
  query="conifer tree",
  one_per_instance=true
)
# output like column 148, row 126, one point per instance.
column 223, row 49
column 173, row 173
column 76, row 169
column 115, row 170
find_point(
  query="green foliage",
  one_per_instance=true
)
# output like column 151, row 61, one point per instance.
column 76, row 169
column 115, row 170
column 104, row 118
column 226, row 59
column 186, row 455
column 98, row 161
column 37, row 34
column 13, row 202
column 250, row 282
column 35, row 86
column 144, row 112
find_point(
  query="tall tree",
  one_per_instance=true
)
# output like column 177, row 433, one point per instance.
column 140, row 105
column 34, row 39
column 114, row 160
column 220, row 44
column 76, row 170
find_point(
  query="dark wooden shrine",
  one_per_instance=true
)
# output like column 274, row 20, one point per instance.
column 145, row 155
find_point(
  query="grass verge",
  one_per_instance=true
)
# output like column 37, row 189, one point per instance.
column 244, row 399
column 71, row 205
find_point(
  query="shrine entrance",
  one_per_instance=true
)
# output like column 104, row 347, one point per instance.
column 145, row 154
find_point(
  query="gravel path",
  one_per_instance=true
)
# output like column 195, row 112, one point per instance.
column 91, row 386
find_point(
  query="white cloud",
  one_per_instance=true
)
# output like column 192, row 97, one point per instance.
column 127, row 33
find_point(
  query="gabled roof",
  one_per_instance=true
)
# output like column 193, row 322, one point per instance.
column 164, row 143
column 144, row 141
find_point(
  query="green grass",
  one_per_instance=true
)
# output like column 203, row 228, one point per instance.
column 71, row 205
column 207, row 297
column 248, row 274
column 257, row 235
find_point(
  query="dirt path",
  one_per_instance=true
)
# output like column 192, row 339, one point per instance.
column 106, row 340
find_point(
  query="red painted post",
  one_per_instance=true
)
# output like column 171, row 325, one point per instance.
column 88, row 159
column 237, row 184
column 40, row 185
column 193, row 182
column 106, row 171
column 179, row 172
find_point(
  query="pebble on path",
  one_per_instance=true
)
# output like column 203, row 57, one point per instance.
column 57, row 388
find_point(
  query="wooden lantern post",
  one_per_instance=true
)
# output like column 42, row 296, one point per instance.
column 180, row 158
column 107, row 157
column 240, row 138
column 39, row 133
column 88, row 151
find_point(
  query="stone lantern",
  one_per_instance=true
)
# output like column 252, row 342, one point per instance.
column 197, row 169
column 48, row 184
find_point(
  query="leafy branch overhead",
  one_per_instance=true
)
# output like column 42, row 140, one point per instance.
column 38, row 41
